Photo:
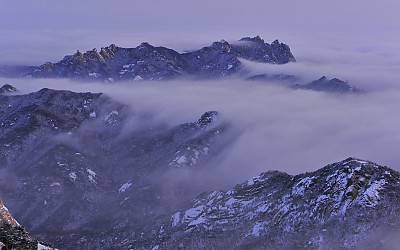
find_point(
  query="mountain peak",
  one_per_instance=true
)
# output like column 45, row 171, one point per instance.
column 334, row 85
column 145, row 45
column 337, row 204
column 207, row 118
column 323, row 78
column 6, row 88
column 6, row 217
column 256, row 39
column 158, row 63
column 276, row 42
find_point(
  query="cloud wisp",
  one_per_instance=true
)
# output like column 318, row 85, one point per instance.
column 274, row 127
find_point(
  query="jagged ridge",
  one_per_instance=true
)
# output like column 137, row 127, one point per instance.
column 160, row 63
column 344, row 205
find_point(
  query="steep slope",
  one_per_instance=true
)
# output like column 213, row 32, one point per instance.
column 345, row 205
column 160, row 63
column 13, row 235
column 7, row 88
column 71, row 164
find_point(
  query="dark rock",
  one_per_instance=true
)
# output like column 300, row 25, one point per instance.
column 159, row 63
column 207, row 118
column 6, row 88
column 332, row 86
column 12, row 235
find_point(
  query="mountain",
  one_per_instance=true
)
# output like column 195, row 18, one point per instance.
column 323, row 84
column 80, row 165
column 332, row 86
column 13, row 235
column 352, row 204
column 159, row 63
column 83, row 171
column 6, row 88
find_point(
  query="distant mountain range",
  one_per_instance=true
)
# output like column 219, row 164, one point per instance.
column 147, row 62
column 75, row 175
column 159, row 63
column 333, row 86
column 323, row 84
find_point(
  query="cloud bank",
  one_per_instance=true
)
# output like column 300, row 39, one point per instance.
column 275, row 128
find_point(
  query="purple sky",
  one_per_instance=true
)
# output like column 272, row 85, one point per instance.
column 45, row 30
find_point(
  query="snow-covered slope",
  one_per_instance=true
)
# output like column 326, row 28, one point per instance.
column 345, row 205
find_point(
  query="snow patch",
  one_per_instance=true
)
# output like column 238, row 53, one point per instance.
column 111, row 117
column 302, row 185
column 91, row 176
column 197, row 221
column 264, row 208
column 137, row 78
column 72, row 176
column 95, row 75
column 175, row 219
column 43, row 247
column 193, row 213
column 62, row 164
column 371, row 195
column 125, row 186
column 257, row 229
column 181, row 159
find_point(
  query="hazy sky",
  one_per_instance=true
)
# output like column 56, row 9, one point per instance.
column 46, row 30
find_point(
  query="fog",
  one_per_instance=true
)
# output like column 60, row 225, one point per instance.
column 275, row 128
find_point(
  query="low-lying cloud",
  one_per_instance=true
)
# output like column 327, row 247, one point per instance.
column 275, row 127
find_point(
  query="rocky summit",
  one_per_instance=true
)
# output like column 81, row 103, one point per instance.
column 352, row 204
column 159, row 63
column 6, row 88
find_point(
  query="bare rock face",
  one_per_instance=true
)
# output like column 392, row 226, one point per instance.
column 12, row 234
column 6, row 217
